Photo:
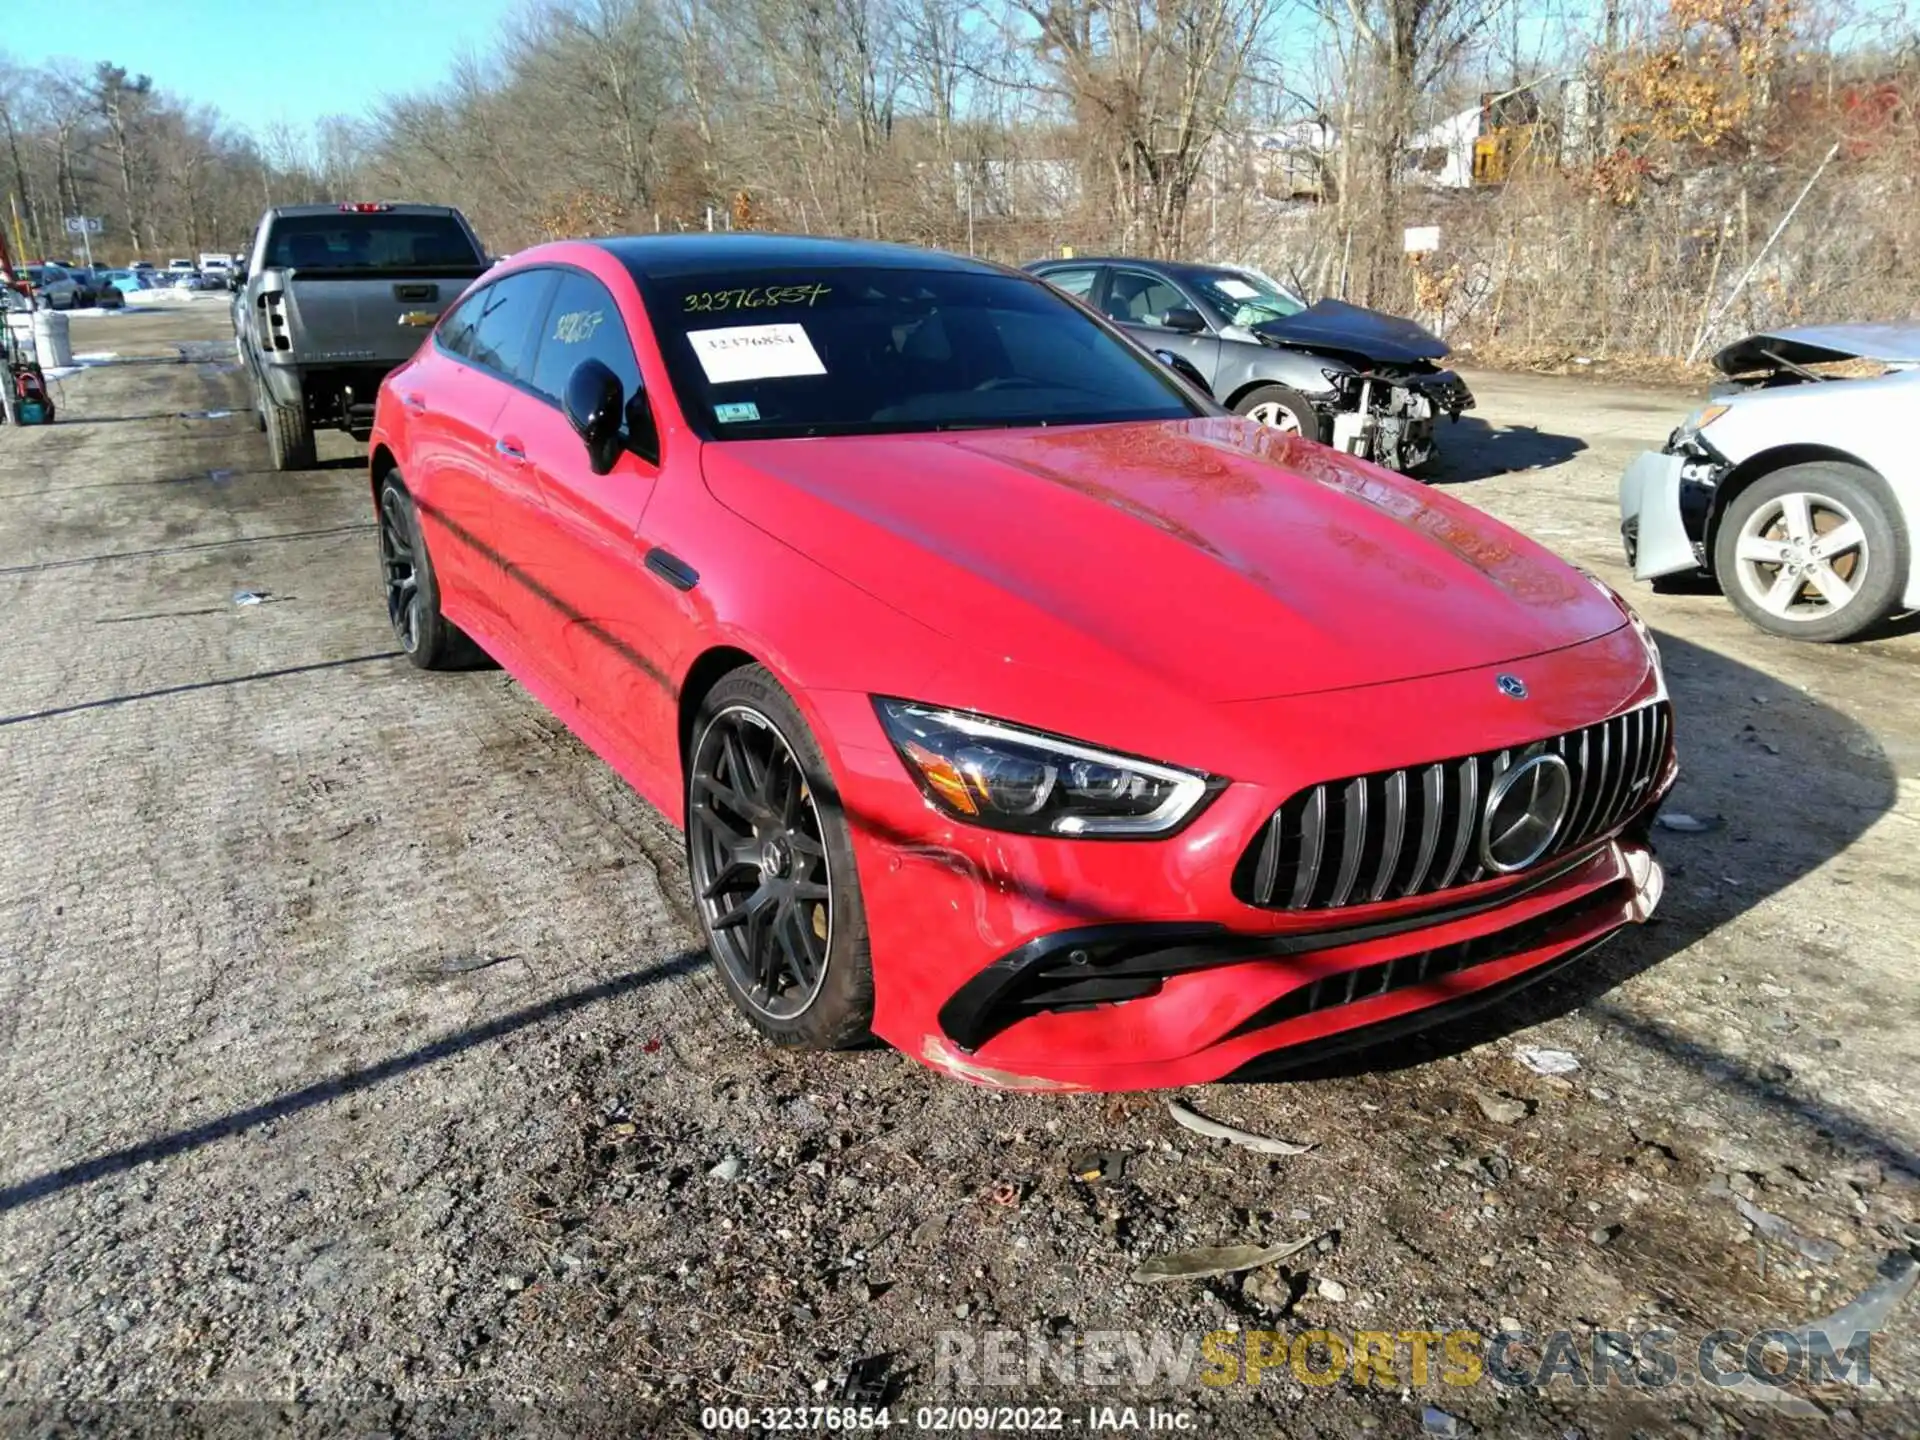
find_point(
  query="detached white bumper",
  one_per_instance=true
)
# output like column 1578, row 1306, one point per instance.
column 1650, row 524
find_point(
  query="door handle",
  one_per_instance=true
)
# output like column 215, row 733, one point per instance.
column 510, row 450
column 415, row 401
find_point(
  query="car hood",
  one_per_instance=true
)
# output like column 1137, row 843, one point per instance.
column 1817, row 344
column 1215, row 556
column 1336, row 325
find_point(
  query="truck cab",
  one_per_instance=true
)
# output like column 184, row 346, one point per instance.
column 334, row 298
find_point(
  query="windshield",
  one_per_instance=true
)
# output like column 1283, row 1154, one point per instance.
column 370, row 242
column 858, row 351
column 1245, row 299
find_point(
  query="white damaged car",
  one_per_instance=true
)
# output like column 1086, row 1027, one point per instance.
column 1796, row 487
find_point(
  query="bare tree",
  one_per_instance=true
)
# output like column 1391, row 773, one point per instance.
column 123, row 101
column 1152, row 84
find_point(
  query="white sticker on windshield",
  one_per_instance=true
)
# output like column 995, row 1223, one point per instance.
column 755, row 352
column 1238, row 289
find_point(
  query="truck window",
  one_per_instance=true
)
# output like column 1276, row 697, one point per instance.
column 369, row 242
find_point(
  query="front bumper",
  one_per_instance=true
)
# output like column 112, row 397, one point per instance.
column 1666, row 497
column 1446, row 392
column 1047, row 964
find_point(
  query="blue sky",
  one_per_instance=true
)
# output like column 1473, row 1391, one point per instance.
column 258, row 61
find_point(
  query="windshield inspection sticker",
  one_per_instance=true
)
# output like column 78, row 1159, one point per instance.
column 734, row 411
column 755, row 352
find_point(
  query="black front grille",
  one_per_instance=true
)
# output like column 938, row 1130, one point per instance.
column 1399, row 833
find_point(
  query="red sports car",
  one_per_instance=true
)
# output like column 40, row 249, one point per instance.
column 1020, row 706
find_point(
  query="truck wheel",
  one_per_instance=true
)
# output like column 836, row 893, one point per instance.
column 289, row 437
column 1279, row 408
column 1812, row 552
column 412, row 589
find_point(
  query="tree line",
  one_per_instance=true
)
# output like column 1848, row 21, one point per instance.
column 1630, row 159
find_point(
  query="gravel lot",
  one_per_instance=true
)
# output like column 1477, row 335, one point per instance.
column 359, row 1055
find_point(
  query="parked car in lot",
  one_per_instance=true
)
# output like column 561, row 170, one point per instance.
column 1004, row 685
column 335, row 297
column 56, row 288
column 1797, row 490
column 1363, row 382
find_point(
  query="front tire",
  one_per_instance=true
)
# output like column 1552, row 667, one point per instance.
column 412, row 590
column 771, row 860
column 1279, row 408
column 1812, row 552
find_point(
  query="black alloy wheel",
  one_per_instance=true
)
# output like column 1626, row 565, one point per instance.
column 412, row 590
column 398, row 566
column 759, row 860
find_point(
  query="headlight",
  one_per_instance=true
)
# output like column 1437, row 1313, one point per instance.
column 1698, row 421
column 1010, row 778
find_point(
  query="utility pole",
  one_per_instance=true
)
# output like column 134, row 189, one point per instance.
column 19, row 240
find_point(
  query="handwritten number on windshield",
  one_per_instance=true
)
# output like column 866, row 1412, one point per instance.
column 713, row 302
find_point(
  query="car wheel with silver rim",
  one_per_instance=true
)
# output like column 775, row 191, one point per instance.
column 771, row 863
column 1279, row 408
column 1814, row 552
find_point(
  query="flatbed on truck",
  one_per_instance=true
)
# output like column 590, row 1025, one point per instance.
column 335, row 297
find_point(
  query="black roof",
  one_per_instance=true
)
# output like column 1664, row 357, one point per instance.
column 684, row 254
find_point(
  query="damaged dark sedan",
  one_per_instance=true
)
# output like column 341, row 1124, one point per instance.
column 1363, row 382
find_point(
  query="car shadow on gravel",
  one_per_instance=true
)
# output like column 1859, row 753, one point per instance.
column 1471, row 449
column 345, row 1083
column 1763, row 835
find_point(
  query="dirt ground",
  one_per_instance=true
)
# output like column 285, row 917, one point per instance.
column 362, row 1069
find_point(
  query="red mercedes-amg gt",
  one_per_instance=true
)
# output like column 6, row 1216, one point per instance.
column 1020, row 706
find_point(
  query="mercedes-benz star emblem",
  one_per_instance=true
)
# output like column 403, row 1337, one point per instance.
column 1511, row 686
column 1525, row 810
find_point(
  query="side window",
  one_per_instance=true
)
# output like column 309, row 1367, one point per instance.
column 1136, row 298
column 503, row 330
column 455, row 334
column 583, row 323
column 1077, row 283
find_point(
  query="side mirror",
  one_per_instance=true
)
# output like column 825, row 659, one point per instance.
column 1184, row 319
column 594, row 407
column 1185, row 369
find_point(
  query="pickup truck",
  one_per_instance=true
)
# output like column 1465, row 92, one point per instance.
column 335, row 297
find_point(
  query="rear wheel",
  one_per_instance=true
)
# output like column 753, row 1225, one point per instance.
column 771, row 860
column 1279, row 408
column 289, row 435
column 1812, row 552
column 412, row 590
